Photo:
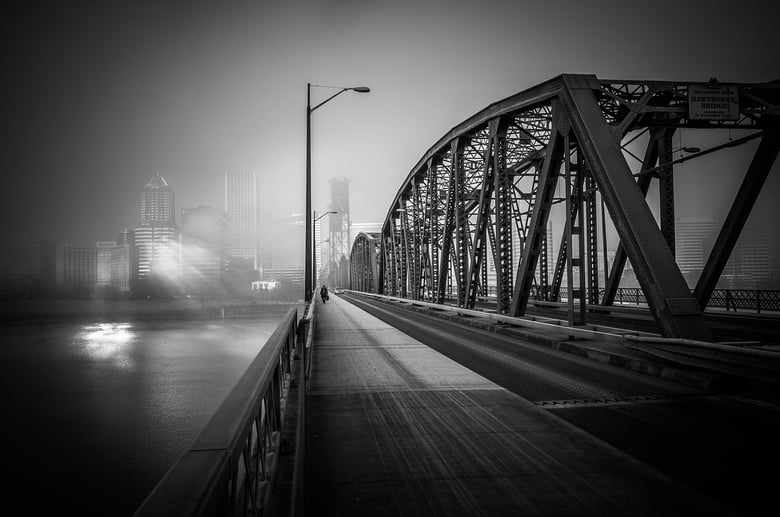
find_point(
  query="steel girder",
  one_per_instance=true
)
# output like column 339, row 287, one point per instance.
column 668, row 296
column 472, row 218
column 643, row 182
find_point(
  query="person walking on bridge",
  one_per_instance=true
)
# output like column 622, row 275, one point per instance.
column 324, row 293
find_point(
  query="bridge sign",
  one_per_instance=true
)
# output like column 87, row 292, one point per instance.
column 713, row 102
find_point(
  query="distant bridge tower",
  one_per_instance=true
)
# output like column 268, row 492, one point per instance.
column 339, row 237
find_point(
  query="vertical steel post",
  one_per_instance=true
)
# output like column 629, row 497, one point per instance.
column 568, row 228
column 666, row 188
column 461, row 219
column 591, row 228
column 435, row 233
column 308, row 251
column 547, row 181
column 503, row 208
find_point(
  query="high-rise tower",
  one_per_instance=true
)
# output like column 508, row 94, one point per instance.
column 156, row 235
column 694, row 238
column 339, row 231
column 241, row 208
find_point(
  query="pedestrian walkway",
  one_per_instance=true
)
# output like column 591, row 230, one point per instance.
column 397, row 429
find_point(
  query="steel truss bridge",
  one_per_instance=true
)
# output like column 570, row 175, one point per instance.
column 474, row 217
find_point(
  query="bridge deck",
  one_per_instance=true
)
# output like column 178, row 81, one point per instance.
column 395, row 428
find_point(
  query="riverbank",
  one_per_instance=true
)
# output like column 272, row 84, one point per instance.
column 137, row 310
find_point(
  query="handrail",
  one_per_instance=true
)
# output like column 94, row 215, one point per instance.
column 228, row 468
column 311, row 315
column 305, row 342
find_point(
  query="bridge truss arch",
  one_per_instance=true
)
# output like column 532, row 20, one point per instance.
column 365, row 263
column 474, row 218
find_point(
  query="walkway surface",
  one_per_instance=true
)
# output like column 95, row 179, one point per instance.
column 395, row 428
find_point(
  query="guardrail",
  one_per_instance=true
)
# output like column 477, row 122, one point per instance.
column 752, row 300
column 306, row 345
column 229, row 467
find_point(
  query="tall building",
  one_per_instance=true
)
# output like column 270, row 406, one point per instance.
column 319, row 244
column 156, row 235
column 127, row 238
column 204, row 257
column 114, row 263
column 79, row 270
column 694, row 238
column 749, row 266
column 339, row 238
column 242, row 210
column 339, row 223
column 104, row 262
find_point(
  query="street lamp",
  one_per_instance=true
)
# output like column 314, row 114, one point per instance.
column 323, row 215
column 316, row 273
column 314, row 254
column 309, row 241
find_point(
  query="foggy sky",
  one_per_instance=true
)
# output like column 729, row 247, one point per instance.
column 98, row 98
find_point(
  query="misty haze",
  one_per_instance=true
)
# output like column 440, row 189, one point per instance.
column 399, row 258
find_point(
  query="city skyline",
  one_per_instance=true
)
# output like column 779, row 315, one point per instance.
column 156, row 208
column 197, row 256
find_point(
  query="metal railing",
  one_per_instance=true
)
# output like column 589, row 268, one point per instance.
column 745, row 299
column 306, row 346
column 229, row 467
column 751, row 300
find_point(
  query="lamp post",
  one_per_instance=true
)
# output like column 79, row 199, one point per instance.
column 309, row 240
column 314, row 254
column 316, row 272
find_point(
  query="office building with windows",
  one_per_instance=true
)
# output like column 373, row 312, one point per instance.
column 79, row 270
column 242, row 210
column 156, row 237
column 114, row 266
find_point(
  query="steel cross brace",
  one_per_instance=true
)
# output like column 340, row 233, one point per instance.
column 677, row 313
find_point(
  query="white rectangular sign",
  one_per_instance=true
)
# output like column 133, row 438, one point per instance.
column 713, row 102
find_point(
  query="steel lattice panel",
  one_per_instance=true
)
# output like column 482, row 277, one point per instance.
column 472, row 219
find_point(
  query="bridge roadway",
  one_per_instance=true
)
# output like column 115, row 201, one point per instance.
column 396, row 428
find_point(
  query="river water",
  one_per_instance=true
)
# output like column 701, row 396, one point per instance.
column 96, row 411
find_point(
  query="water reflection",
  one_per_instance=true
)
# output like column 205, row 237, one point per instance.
column 108, row 342
column 119, row 401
